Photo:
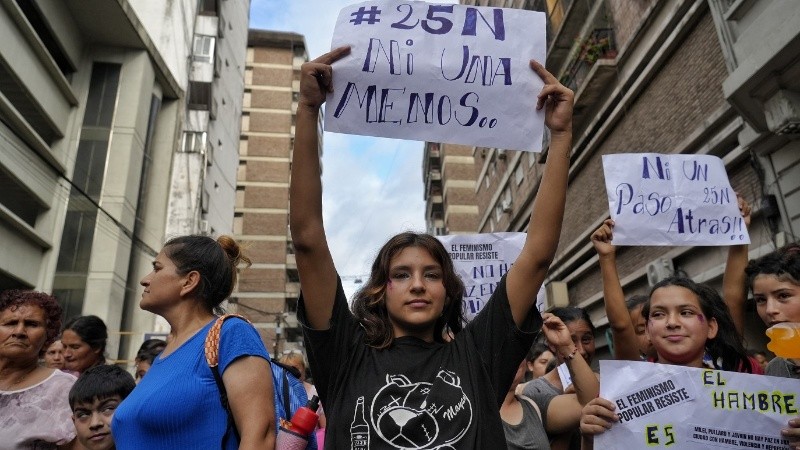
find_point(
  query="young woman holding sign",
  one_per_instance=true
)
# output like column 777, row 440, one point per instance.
column 385, row 373
column 689, row 325
column 627, row 323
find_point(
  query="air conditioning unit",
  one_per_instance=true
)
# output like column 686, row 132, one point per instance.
column 659, row 269
column 204, row 227
column 506, row 205
column 555, row 295
column 501, row 154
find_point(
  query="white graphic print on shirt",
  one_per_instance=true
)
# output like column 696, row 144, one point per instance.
column 415, row 416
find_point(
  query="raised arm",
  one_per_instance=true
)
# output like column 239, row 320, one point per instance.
column 314, row 261
column 734, row 285
column 564, row 411
column 530, row 269
column 626, row 345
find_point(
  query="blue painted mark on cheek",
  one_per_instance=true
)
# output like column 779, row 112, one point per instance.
column 701, row 318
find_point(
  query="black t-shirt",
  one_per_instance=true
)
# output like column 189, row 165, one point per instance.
column 415, row 394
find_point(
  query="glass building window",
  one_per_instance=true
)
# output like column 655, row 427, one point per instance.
column 74, row 255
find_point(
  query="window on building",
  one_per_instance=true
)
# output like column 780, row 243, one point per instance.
column 203, row 50
column 147, row 160
column 207, row 8
column 72, row 268
column 18, row 199
column 42, row 29
column 194, row 142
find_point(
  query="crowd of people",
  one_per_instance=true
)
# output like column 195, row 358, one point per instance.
column 397, row 368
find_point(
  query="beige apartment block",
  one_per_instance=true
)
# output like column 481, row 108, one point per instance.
column 268, row 291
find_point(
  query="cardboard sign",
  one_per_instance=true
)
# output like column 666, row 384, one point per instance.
column 441, row 73
column 691, row 408
column 659, row 199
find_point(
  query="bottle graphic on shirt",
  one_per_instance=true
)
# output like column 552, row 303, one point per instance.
column 359, row 428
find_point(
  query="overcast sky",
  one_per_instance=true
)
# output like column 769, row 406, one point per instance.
column 372, row 188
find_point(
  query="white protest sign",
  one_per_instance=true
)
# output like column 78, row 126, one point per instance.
column 657, row 199
column 441, row 73
column 691, row 408
column 481, row 260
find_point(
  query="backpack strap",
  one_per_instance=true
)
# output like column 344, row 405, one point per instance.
column 212, row 358
column 285, row 382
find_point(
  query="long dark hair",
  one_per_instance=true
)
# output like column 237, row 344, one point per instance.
column 569, row 314
column 369, row 306
column 215, row 261
column 727, row 344
column 784, row 263
column 93, row 331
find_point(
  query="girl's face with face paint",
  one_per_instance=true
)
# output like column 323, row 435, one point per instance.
column 415, row 293
column 677, row 326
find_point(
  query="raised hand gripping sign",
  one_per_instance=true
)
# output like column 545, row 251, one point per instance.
column 657, row 199
column 442, row 73
column 688, row 408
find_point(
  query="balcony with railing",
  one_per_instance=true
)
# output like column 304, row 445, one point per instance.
column 592, row 69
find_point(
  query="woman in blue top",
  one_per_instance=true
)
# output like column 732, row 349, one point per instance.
column 177, row 405
column 399, row 371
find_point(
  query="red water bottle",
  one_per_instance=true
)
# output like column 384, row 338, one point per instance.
column 294, row 435
column 305, row 418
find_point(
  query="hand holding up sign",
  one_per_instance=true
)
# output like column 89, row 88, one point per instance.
column 316, row 78
column 557, row 98
column 601, row 239
column 598, row 415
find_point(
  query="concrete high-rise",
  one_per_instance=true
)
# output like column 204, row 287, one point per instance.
column 102, row 107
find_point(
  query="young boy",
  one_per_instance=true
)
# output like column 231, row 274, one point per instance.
column 93, row 399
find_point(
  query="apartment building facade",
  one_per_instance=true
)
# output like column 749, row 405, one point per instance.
column 93, row 123
column 268, row 291
column 675, row 76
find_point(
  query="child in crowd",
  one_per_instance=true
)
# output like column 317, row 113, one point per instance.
column 146, row 355
column 537, row 360
column 774, row 280
column 528, row 423
column 93, row 399
column 384, row 371
column 561, row 405
column 689, row 325
column 625, row 318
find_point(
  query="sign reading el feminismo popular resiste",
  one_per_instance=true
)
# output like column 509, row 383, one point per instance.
column 658, row 199
column 481, row 260
column 441, row 73
column 689, row 408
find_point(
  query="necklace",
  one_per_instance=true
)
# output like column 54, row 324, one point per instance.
column 20, row 379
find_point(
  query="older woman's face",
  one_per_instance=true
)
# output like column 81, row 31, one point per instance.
column 23, row 332
column 78, row 355
column 54, row 356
